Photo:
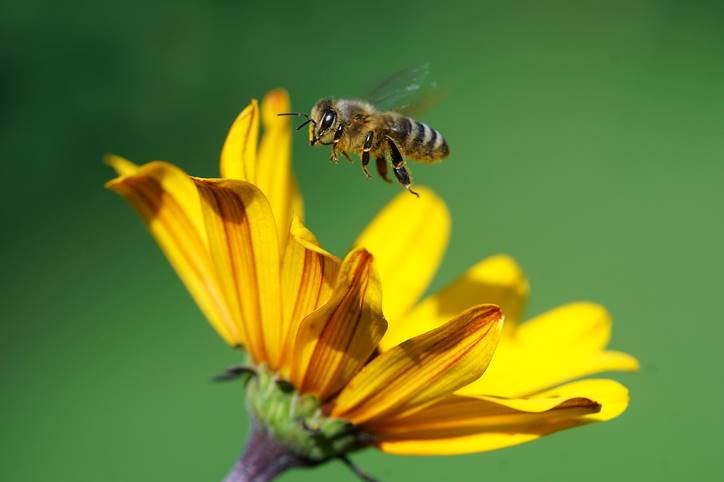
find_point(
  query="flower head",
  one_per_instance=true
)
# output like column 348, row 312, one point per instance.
column 335, row 365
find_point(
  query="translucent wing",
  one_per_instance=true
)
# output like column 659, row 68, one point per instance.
column 408, row 91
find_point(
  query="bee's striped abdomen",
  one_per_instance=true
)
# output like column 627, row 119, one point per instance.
column 418, row 140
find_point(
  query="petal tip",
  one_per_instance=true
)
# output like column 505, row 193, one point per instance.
column 493, row 312
column 591, row 307
column 274, row 102
column 629, row 363
column 121, row 165
column 501, row 271
column 276, row 99
column 362, row 253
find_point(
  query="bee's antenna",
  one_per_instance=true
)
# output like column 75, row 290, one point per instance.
column 294, row 113
column 309, row 119
column 305, row 123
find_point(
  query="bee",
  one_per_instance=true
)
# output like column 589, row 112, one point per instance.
column 368, row 129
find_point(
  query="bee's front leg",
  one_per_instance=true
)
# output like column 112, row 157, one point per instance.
column 333, row 157
column 337, row 137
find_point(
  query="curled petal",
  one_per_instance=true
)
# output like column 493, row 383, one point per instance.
column 167, row 200
column 423, row 369
column 560, row 345
column 308, row 277
column 498, row 280
column 408, row 240
column 238, row 155
column 457, row 424
column 243, row 245
column 335, row 341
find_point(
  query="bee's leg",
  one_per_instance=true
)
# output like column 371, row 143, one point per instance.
column 398, row 166
column 333, row 157
column 349, row 159
column 337, row 136
column 382, row 168
column 366, row 153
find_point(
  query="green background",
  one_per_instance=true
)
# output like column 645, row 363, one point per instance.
column 587, row 141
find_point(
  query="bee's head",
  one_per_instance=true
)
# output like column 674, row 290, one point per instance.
column 325, row 119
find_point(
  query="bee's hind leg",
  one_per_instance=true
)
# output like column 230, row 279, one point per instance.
column 399, row 168
column 366, row 153
column 382, row 168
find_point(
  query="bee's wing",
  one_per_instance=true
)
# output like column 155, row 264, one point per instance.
column 409, row 91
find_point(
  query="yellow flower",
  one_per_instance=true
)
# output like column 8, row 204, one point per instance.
column 311, row 321
column 527, row 391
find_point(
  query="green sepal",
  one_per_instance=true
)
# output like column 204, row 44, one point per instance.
column 297, row 421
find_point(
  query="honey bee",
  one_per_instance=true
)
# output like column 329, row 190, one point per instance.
column 371, row 130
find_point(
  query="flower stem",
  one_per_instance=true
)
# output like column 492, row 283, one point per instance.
column 263, row 459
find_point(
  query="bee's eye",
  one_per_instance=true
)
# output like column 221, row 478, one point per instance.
column 327, row 120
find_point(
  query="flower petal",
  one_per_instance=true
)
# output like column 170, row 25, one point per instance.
column 308, row 278
column 274, row 166
column 121, row 165
column 335, row 341
column 168, row 202
column 458, row 425
column 498, row 280
column 555, row 347
column 408, row 260
column 238, row 155
column 243, row 246
column 423, row 369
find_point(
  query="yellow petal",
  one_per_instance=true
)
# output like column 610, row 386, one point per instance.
column 335, row 341
column 121, row 165
column 274, row 166
column 408, row 240
column 423, row 369
column 553, row 348
column 308, row 277
column 243, row 246
column 458, row 425
column 497, row 280
column 168, row 202
column 238, row 155
column 581, row 326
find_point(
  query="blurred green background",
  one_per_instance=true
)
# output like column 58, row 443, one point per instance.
column 587, row 141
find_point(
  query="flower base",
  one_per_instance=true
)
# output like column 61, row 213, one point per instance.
column 264, row 458
column 297, row 422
